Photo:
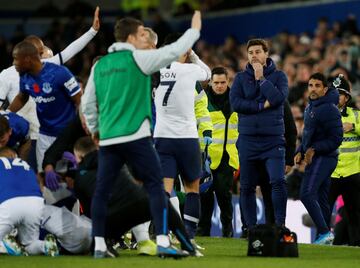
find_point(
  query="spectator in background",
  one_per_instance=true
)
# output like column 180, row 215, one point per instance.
column 357, row 102
column 303, row 72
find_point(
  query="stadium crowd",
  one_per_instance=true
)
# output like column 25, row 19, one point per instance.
column 297, row 81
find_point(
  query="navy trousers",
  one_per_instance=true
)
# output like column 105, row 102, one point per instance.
column 314, row 192
column 142, row 157
column 267, row 152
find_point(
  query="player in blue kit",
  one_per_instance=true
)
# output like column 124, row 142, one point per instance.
column 14, row 133
column 18, row 187
column 54, row 90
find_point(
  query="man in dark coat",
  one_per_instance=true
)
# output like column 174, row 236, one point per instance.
column 321, row 138
column 258, row 95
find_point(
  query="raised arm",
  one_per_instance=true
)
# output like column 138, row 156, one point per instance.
column 153, row 60
column 76, row 46
column 206, row 70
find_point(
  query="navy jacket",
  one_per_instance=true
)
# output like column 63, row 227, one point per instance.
column 247, row 98
column 322, row 125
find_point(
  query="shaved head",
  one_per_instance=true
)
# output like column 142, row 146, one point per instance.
column 25, row 56
column 37, row 42
column 26, row 48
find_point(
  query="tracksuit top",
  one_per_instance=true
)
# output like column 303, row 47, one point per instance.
column 247, row 98
column 123, row 94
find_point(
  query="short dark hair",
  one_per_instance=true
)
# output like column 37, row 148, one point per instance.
column 4, row 125
column 85, row 145
column 7, row 152
column 171, row 38
column 125, row 27
column 319, row 76
column 219, row 70
column 258, row 42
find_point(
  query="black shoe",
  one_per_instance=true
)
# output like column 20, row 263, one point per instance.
column 227, row 232
column 203, row 232
column 244, row 233
column 122, row 244
column 111, row 247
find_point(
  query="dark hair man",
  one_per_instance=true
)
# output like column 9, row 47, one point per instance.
column 258, row 95
column 321, row 137
column 123, row 119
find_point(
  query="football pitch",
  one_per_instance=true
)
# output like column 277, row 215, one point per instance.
column 219, row 253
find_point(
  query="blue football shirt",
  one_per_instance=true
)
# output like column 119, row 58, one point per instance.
column 17, row 179
column 19, row 126
column 52, row 90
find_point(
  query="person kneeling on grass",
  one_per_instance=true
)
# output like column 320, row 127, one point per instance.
column 127, row 207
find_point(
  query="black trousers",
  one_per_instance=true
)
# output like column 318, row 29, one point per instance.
column 349, row 188
column 138, row 212
column 265, row 186
column 222, row 185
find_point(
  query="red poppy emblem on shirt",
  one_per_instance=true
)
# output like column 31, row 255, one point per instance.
column 36, row 88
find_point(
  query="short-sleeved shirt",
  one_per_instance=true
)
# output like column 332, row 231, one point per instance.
column 52, row 90
column 17, row 179
column 174, row 101
column 20, row 129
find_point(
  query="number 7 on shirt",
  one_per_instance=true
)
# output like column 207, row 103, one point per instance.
column 170, row 85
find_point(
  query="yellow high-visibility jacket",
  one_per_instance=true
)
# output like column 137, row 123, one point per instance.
column 349, row 150
column 224, row 137
column 204, row 124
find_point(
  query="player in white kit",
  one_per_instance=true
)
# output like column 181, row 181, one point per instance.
column 176, row 135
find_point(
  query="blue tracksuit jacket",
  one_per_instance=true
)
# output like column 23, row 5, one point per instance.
column 247, row 97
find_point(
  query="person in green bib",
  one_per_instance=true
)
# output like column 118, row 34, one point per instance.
column 117, row 109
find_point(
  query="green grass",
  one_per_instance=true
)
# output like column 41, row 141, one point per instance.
column 219, row 253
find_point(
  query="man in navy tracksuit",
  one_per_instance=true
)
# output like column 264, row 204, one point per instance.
column 258, row 95
column 321, row 137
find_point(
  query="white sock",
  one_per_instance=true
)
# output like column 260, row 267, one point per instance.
column 176, row 204
column 100, row 243
column 141, row 231
column 2, row 248
column 163, row 241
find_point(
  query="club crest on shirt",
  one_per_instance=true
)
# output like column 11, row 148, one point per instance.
column 47, row 87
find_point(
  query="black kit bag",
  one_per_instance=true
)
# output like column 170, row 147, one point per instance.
column 267, row 240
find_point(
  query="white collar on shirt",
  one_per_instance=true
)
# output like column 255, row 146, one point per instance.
column 120, row 46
